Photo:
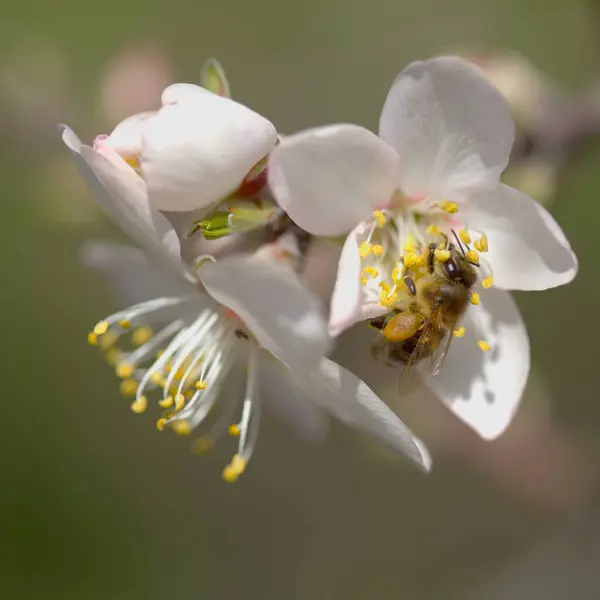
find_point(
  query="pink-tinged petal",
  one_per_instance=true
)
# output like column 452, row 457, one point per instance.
column 351, row 401
column 278, row 310
column 329, row 179
column 289, row 401
column 198, row 149
column 348, row 304
column 126, row 137
column 451, row 128
column 484, row 388
column 527, row 248
column 122, row 194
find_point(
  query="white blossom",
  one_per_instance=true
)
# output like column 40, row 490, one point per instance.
column 433, row 173
column 208, row 339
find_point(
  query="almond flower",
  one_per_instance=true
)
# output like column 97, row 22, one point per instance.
column 209, row 339
column 193, row 152
column 432, row 174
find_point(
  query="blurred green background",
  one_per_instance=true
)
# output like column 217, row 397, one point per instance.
column 94, row 504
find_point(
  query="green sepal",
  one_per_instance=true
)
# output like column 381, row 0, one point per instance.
column 213, row 78
column 216, row 234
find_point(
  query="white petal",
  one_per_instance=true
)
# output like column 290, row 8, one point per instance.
column 527, row 248
column 126, row 137
column 198, row 150
column 182, row 92
column 484, row 388
column 320, row 267
column 132, row 275
column 289, row 402
column 278, row 310
column 351, row 401
column 348, row 305
column 329, row 179
column 122, row 194
column 451, row 128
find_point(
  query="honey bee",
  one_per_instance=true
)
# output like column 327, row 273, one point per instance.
column 424, row 330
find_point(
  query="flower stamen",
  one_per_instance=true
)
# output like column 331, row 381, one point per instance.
column 449, row 207
column 481, row 244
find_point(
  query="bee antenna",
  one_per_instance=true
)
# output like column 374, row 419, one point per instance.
column 459, row 243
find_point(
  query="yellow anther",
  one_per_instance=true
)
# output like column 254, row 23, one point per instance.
column 125, row 370
column 377, row 249
column 239, row 463
column 388, row 301
column 410, row 260
column 180, row 373
column 464, row 236
column 474, row 298
column 365, row 249
column 202, row 445
column 420, row 261
column 166, row 402
column 488, row 282
column 133, row 161
column 139, row 405
column 200, row 385
column 234, row 430
column 371, row 271
column 181, row 427
column 433, row 230
column 128, row 387
column 230, row 475
column 157, row 379
column 160, row 424
column 141, row 335
column 124, row 323
column 395, row 273
column 234, row 469
column 385, row 287
column 472, row 256
column 481, row 244
column 179, row 402
column 449, row 207
column 441, row 255
column 460, row 332
column 379, row 217
column 484, row 346
column 113, row 356
column 409, row 244
column 101, row 328
column 363, row 280
column 92, row 338
column 107, row 340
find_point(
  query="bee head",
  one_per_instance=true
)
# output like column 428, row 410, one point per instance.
column 458, row 269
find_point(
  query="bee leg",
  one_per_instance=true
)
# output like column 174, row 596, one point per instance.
column 431, row 256
column 410, row 284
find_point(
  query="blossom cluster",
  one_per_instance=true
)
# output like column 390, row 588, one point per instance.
column 256, row 250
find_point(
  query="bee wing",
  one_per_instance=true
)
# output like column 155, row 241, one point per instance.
column 427, row 346
column 439, row 355
column 437, row 359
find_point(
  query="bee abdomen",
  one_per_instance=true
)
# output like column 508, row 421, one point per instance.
column 402, row 326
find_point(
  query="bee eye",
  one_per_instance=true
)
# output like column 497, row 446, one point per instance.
column 451, row 268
